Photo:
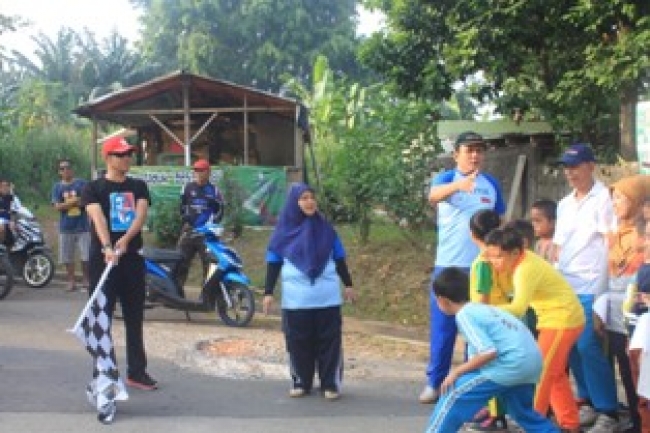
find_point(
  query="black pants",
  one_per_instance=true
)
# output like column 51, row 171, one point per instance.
column 314, row 341
column 617, row 351
column 189, row 245
column 126, row 283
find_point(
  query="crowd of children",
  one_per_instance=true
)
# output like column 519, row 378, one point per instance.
column 517, row 272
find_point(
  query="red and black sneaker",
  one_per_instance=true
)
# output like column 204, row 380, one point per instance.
column 143, row 382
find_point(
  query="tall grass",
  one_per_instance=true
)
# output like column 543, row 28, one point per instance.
column 29, row 159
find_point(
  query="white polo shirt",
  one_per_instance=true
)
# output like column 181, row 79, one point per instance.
column 581, row 232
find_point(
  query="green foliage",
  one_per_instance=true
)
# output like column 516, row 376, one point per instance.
column 250, row 42
column 167, row 227
column 374, row 150
column 233, row 197
column 41, row 89
column 568, row 62
column 29, row 159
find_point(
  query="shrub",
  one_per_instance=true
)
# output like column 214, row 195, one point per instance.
column 167, row 223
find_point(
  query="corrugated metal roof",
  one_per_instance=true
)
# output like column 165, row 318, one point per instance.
column 163, row 97
column 492, row 129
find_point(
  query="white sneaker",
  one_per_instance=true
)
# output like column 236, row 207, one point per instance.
column 296, row 392
column 604, row 424
column 106, row 413
column 331, row 395
column 588, row 415
column 428, row 395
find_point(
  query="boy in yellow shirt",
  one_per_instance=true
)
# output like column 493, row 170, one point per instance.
column 560, row 318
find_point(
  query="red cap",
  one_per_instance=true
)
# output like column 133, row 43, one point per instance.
column 116, row 145
column 201, row 164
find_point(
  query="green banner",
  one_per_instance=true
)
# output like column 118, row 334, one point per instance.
column 255, row 193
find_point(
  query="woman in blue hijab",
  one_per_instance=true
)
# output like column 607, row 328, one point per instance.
column 308, row 255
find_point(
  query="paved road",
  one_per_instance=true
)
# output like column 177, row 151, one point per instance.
column 43, row 371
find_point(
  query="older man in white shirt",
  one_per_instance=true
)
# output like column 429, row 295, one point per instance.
column 584, row 218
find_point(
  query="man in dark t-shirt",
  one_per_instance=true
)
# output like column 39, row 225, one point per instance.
column 117, row 206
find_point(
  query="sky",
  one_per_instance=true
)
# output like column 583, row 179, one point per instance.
column 100, row 16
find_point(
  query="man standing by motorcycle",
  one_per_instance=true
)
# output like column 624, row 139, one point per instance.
column 200, row 201
column 73, row 222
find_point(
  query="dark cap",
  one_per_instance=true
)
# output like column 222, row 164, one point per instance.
column 577, row 154
column 643, row 279
column 467, row 138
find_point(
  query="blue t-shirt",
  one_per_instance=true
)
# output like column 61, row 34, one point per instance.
column 488, row 329
column 455, row 246
column 299, row 293
column 74, row 219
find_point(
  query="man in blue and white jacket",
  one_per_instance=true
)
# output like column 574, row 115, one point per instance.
column 200, row 202
column 458, row 194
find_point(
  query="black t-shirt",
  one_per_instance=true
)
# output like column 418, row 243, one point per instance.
column 5, row 206
column 118, row 202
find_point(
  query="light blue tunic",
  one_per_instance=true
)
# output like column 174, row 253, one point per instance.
column 299, row 293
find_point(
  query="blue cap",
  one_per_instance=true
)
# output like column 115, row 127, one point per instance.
column 643, row 278
column 577, row 154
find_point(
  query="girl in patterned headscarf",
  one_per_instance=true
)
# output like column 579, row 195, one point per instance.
column 308, row 254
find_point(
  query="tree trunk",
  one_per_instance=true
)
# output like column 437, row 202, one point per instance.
column 628, row 124
column 364, row 225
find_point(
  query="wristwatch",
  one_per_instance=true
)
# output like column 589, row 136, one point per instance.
column 106, row 247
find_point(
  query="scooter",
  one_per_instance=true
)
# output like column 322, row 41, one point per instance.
column 225, row 289
column 28, row 253
column 6, row 273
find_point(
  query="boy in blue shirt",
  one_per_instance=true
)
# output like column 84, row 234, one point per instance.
column 503, row 361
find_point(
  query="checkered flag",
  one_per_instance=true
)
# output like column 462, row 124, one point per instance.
column 93, row 328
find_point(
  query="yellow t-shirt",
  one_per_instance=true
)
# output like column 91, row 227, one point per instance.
column 537, row 283
column 483, row 280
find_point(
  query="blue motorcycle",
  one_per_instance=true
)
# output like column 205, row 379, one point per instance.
column 225, row 289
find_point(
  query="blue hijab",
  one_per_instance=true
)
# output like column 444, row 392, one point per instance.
column 306, row 241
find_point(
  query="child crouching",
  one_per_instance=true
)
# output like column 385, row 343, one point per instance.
column 503, row 361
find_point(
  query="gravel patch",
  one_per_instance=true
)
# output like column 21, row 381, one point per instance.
column 258, row 352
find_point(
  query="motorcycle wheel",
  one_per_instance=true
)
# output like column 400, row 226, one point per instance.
column 243, row 305
column 38, row 270
column 6, row 276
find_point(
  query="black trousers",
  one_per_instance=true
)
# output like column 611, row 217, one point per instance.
column 314, row 342
column 126, row 283
column 189, row 245
column 617, row 345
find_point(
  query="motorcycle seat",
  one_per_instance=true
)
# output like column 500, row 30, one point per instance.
column 162, row 255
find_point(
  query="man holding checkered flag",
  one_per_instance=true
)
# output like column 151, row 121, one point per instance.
column 117, row 206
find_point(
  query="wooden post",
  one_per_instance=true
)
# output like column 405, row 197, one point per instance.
column 186, row 122
column 245, row 159
column 516, row 186
column 93, row 150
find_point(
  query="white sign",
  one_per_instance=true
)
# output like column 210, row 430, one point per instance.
column 643, row 135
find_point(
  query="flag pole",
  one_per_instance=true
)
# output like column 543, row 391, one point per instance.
column 98, row 288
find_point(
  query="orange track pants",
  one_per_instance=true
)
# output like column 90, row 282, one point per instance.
column 554, row 388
